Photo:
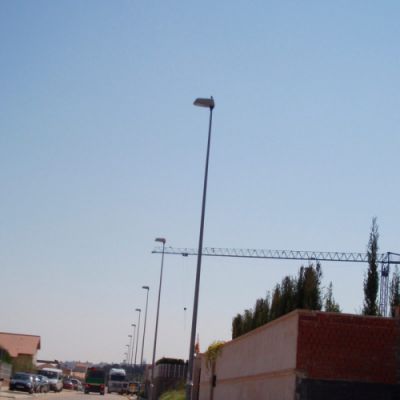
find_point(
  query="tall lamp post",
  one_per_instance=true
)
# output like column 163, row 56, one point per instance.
column 207, row 103
column 145, row 319
column 138, row 333
column 133, row 342
column 163, row 241
column 129, row 348
column 127, row 353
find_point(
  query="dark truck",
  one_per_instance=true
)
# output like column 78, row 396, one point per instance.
column 95, row 380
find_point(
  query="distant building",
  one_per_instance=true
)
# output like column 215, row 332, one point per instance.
column 79, row 370
column 22, row 348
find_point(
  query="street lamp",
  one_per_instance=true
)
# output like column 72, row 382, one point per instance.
column 127, row 356
column 133, row 342
column 145, row 319
column 207, row 103
column 130, row 346
column 138, row 333
column 159, row 240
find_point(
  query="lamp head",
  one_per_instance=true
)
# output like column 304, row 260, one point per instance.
column 138, row 309
column 146, row 287
column 207, row 103
column 161, row 240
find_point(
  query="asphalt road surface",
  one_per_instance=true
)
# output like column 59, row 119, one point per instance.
column 64, row 395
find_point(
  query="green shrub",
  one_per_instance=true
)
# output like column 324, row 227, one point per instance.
column 165, row 360
column 213, row 351
column 173, row 395
column 5, row 356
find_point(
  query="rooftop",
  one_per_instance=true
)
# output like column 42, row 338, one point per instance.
column 18, row 344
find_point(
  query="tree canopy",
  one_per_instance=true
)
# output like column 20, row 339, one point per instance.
column 303, row 291
column 4, row 355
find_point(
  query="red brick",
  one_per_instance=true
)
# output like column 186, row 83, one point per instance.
column 347, row 347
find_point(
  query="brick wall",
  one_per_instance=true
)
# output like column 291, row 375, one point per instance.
column 347, row 347
column 308, row 355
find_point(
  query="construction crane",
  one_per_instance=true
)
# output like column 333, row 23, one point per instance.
column 384, row 259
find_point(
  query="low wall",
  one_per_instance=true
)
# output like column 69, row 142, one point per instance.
column 5, row 370
column 309, row 355
column 258, row 365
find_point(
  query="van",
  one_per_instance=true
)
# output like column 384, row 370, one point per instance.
column 55, row 376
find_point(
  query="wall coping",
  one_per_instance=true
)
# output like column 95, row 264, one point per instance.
column 296, row 314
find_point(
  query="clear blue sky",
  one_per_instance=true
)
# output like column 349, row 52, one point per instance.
column 101, row 151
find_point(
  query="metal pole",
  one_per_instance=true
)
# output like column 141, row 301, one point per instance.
column 129, row 348
column 145, row 319
column 189, row 381
column 133, row 345
column 155, row 333
column 138, row 333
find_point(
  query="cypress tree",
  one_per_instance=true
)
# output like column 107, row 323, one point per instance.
column 247, row 321
column 260, row 315
column 288, row 295
column 371, row 281
column 237, row 326
column 312, row 288
column 394, row 291
column 276, row 303
column 300, row 289
column 330, row 303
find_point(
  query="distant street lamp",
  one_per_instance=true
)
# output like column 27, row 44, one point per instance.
column 127, row 356
column 138, row 333
column 207, row 103
column 133, row 342
column 145, row 319
column 153, row 363
column 130, row 346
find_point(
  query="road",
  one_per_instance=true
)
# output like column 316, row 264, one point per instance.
column 64, row 395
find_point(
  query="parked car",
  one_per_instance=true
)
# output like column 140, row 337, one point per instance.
column 36, row 383
column 23, row 381
column 44, row 384
column 77, row 384
column 67, row 384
